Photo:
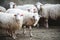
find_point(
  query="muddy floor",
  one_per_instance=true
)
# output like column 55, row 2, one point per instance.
column 38, row 34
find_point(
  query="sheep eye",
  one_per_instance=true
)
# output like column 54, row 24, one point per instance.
column 13, row 6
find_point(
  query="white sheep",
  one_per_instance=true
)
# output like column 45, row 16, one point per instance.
column 11, row 22
column 28, row 7
column 50, row 11
column 2, row 9
column 27, row 16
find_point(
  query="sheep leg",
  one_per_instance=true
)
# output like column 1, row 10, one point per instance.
column 9, row 33
column 24, row 30
column 14, row 35
column 30, row 33
column 36, row 23
column 46, row 23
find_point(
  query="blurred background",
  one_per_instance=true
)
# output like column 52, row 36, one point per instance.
column 30, row 1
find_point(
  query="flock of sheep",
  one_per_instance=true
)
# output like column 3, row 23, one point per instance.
column 16, row 16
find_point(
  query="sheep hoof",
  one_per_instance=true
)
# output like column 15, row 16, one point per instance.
column 14, row 37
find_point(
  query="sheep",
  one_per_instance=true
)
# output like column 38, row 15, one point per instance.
column 28, row 7
column 28, row 21
column 11, row 23
column 29, row 18
column 50, row 11
column 2, row 9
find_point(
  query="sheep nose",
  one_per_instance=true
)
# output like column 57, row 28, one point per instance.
column 34, row 17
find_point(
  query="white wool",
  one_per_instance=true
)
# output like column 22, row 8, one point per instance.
column 2, row 9
column 5, row 18
column 11, row 22
column 51, row 10
column 27, row 7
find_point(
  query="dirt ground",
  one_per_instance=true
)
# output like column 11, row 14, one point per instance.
column 38, row 34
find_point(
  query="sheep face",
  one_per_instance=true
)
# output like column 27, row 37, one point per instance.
column 18, row 16
column 38, row 4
